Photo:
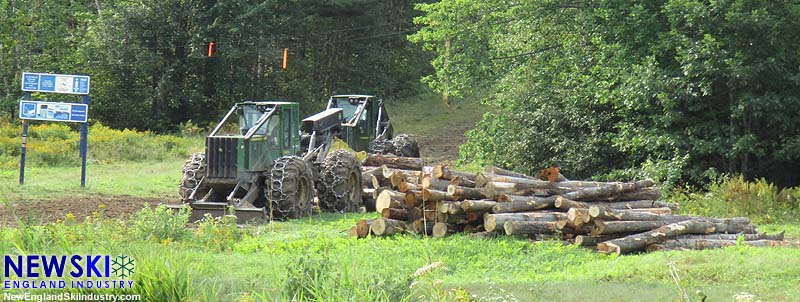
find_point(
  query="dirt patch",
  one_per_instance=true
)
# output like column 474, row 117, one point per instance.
column 43, row 211
column 443, row 147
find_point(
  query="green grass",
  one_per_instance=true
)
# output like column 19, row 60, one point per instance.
column 314, row 256
column 425, row 115
column 147, row 179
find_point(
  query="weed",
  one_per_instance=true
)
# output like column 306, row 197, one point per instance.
column 161, row 224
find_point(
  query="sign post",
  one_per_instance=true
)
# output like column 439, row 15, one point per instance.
column 54, row 111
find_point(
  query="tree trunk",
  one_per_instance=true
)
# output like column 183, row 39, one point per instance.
column 625, row 227
column 578, row 217
column 494, row 189
column 389, row 199
column 434, row 195
column 529, row 227
column 603, row 213
column 413, row 199
column 462, row 193
column 441, row 229
column 458, row 181
column 499, row 171
column 431, row 183
column 516, row 203
column 483, row 178
column 363, row 228
column 483, row 205
column 384, row 226
column 592, row 241
column 495, row 221
column 394, row 213
column 407, row 163
column 638, row 242
column 404, row 186
column 608, row 191
column 564, row 203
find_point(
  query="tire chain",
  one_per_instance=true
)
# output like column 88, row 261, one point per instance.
column 330, row 180
column 402, row 143
column 194, row 170
column 382, row 146
column 280, row 166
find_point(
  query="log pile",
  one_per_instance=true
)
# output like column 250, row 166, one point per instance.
column 611, row 217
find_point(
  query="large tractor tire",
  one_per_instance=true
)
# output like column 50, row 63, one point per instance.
column 340, row 183
column 405, row 146
column 289, row 189
column 381, row 146
column 194, row 169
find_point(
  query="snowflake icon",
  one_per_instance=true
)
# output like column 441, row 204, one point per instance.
column 123, row 266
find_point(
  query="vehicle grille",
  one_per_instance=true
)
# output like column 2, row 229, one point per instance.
column 221, row 154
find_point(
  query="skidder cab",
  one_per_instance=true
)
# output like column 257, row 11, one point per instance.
column 366, row 126
column 264, row 162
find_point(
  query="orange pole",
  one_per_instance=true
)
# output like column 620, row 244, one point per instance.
column 210, row 49
column 285, row 58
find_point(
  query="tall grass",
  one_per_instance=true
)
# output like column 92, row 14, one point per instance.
column 759, row 200
column 57, row 144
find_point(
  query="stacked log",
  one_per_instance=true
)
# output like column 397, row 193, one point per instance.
column 611, row 217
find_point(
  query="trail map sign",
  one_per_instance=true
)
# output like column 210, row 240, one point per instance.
column 57, row 83
column 53, row 111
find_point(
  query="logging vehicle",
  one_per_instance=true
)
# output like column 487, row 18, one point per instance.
column 366, row 126
column 264, row 162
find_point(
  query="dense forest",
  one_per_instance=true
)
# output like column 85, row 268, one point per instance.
column 149, row 61
column 676, row 89
column 679, row 90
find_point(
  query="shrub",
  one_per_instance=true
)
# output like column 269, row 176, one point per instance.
column 160, row 224
column 734, row 196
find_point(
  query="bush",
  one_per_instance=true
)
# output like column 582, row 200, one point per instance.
column 759, row 200
column 161, row 224
column 55, row 144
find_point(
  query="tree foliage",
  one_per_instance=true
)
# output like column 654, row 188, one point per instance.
column 680, row 88
column 149, row 64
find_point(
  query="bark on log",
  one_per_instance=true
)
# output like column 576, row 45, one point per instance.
column 652, row 210
column 394, row 213
column 494, row 189
column 405, row 186
column 434, row 195
column 458, row 181
column 529, row 227
column 608, row 191
column 429, row 214
column 703, row 244
column 363, row 228
column 484, row 178
column 389, row 199
column 516, row 203
column 603, row 213
column 653, row 193
column 454, row 219
column 483, row 205
column 564, row 203
column 407, row 163
column 639, row 241
column 384, row 226
column 431, row 183
column 494, row 222
column 564, row 227
column 422, row 226
column 500, row 171
column 462, row 193
column 441, row 229
column 442, row 172
column 592, row 241
column 413, row 199
column 625, row 227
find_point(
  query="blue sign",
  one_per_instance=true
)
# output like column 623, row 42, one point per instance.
column 53, row 111
column 56, row 83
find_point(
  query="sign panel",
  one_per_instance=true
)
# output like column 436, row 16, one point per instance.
column 53, row 111
column 57, row 83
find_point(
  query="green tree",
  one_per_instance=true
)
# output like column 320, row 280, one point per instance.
column 615, row 86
